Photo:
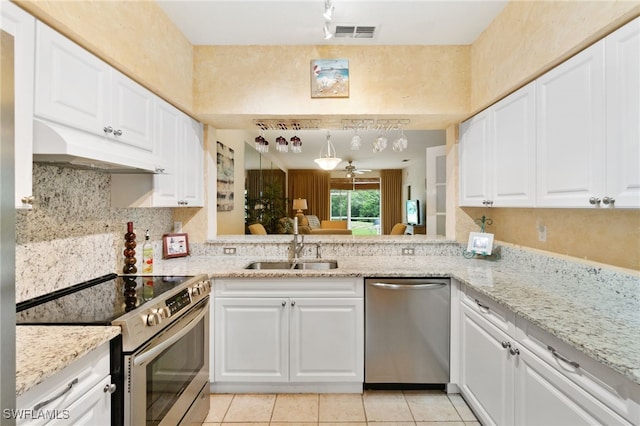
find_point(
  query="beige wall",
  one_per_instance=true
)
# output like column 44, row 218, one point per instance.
column 530, row 37
column 429, row 84
column 134, row 36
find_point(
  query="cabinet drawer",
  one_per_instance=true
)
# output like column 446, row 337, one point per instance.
column 289, row 287
column 609, row 387
column 496, row 314
column 88, row 370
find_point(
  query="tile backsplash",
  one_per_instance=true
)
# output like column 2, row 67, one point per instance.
column 72, row 234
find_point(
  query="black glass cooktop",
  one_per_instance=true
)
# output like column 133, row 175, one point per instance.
column 95, row 302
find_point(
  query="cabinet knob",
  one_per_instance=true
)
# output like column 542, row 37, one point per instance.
column 284, row 303
column 110, row 388
column 506, row 345
column 293, row 303
column 594, row 201
column 108, row 129
column 27, row 200
column 159, row 170
column 608, row 200
column 117, row 132
column 514, row 351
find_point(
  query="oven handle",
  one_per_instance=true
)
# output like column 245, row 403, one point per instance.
column 156, row 350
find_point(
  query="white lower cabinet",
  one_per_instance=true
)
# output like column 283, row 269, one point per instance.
column 288, row 331
column 505, row 382
column 80, row 394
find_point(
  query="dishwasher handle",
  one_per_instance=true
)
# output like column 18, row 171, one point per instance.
column 418, row 286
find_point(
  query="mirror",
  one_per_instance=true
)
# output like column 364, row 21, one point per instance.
column 265, row 190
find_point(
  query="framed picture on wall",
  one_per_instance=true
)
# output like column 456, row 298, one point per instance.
column 330, row 78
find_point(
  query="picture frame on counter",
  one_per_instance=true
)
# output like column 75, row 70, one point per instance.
column 175, row 245
column 480, row 243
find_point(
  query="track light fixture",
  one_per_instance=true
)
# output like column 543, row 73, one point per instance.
column 328, row 11
column 327, row 33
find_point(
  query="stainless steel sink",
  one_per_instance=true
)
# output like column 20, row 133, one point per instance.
column 316, row 264
column 301, row 264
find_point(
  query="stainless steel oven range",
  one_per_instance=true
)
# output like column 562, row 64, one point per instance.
column 160, row 365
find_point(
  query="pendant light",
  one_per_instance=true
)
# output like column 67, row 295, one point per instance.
column 328, row 160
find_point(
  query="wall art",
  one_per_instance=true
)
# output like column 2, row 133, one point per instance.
column 224, row 160
column 330, row 78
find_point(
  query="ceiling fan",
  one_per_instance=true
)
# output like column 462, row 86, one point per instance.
column 352, row 171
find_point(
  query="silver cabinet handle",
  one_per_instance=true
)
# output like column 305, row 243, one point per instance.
column 594, row 201
column 506, row 345
column 50, row 400
column 485, row 308
column 108, row 129
column 27, row 200
column 117, row 132
column 514, row 351
column 608, row 200
column 110, row 388
column 284, row 303
column 293, row 303
column 159, row 170
column 561, row 357
column 421, row 286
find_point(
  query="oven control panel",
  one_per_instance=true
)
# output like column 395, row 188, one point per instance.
column 178, row 301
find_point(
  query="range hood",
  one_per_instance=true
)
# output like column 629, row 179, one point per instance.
column 69, row 147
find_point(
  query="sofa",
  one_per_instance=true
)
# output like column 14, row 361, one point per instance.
column 310, row 224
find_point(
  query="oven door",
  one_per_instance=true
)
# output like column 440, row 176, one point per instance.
column 168, row 378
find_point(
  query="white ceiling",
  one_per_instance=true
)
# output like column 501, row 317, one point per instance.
column 300, row 22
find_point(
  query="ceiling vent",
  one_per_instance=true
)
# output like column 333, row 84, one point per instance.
column 355, row 31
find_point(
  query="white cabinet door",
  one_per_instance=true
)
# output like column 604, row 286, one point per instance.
column 327, row 340
column 92, row 408
column 168, row 136
column 571, row 131
column 544, row 397
column 251, row 340
column 513, row 150
column 131, row 112
column 486, row 369
column 22, row 27
column 192, row 164
column 474, row 155
column 71, row 84
column 623, row 116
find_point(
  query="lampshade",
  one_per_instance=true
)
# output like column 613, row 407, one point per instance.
column 300, row 204
column 328, row 160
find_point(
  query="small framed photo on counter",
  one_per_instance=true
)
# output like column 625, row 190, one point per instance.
column 175, row 245
column 480, row 243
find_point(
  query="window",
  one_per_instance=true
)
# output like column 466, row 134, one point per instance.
column 358, row 202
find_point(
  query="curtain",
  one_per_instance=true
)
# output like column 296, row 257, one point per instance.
column 312, row 185
column 355, row 183
column 390, row 198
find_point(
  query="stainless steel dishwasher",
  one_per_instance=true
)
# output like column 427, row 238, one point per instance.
column 407, row 325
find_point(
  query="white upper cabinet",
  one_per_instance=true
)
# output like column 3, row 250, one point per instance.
column 623, row 117
column 474, row 155
column 75, row 90
column 497, row 153
column 21, row 26
column 571, row 131
column 179, row 148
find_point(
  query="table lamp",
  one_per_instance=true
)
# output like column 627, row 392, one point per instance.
column 299, row 204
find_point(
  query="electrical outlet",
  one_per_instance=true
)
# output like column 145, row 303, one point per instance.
column 229, row 250
column 542, row 233
column 408, row 251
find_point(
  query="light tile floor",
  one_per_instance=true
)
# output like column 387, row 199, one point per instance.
column 379, row 408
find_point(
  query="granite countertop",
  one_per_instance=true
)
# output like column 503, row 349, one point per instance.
column 589, row 308
column 40, row 353
column 584, row 308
